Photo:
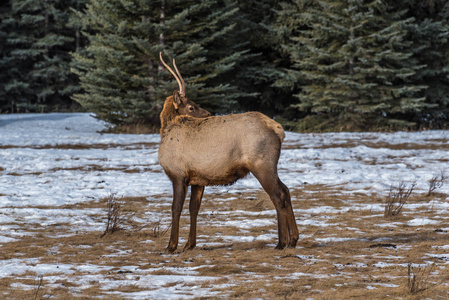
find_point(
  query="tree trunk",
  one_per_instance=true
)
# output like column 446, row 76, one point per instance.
column 161, row 35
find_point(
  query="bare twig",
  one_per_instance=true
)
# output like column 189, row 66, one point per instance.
column 396, row 199
column 436, row 182
column 37, row 291
column 156, row 229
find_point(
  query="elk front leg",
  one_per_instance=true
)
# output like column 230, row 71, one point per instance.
column 179, row 196
column 194, row 206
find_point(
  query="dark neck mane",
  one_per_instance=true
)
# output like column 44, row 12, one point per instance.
column 168, row 114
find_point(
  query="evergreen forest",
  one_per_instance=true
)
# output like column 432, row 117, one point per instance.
column 313, row 65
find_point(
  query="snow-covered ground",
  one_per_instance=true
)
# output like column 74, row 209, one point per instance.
column 62, row 159
column 63, row 174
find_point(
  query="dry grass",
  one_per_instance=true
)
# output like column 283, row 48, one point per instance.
column 418, row 278
column 353, row 253
column 138, row 128
column 84, row 146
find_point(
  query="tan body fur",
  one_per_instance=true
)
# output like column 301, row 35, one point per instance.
column 199, row 150
column 226, row 154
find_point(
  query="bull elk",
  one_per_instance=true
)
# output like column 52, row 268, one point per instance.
column 200, row 150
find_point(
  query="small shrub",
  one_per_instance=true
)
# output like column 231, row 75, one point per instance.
column 115, row 217
column 396, row 199
column 418, row 278
column 436, row 182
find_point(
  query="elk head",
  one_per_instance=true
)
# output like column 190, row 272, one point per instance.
column 178, row 104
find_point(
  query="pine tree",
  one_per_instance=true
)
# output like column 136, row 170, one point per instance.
column 429, row 37
column 120, row 72
column 5, row 11
column 352, row 62
column 35, row 57
column 263, row 69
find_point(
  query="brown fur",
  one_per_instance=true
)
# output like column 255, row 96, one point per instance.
column 200, row 150
column 168, row 114
column 183, row 107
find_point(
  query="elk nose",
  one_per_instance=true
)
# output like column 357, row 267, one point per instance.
column 205, row 113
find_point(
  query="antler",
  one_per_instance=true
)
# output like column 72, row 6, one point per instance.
column 181, row 85
column 180, row 77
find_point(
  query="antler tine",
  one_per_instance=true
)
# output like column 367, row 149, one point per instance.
column 183, row 92
column 173, row 73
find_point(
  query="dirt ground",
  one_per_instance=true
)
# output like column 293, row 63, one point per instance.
column 347, row 249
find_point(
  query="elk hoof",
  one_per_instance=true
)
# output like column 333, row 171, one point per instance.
column 170, row 249
column 280, row 246
column 292, row 244
column 188, row 247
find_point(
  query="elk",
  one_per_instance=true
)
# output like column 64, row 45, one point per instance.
column 198, row 150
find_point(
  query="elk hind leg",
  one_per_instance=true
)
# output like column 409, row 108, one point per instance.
column 194, row 206
column 179, row 196
column 291, row 222
column 271, row 184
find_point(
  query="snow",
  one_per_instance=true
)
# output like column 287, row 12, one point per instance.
column 33, row 175
column 63, row 176
column 421, row 222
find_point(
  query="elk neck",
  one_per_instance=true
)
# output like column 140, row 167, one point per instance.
column 168, row 114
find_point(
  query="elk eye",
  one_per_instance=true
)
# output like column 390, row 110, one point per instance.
column 191, row 108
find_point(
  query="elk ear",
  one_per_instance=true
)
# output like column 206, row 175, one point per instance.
column 176, row 99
